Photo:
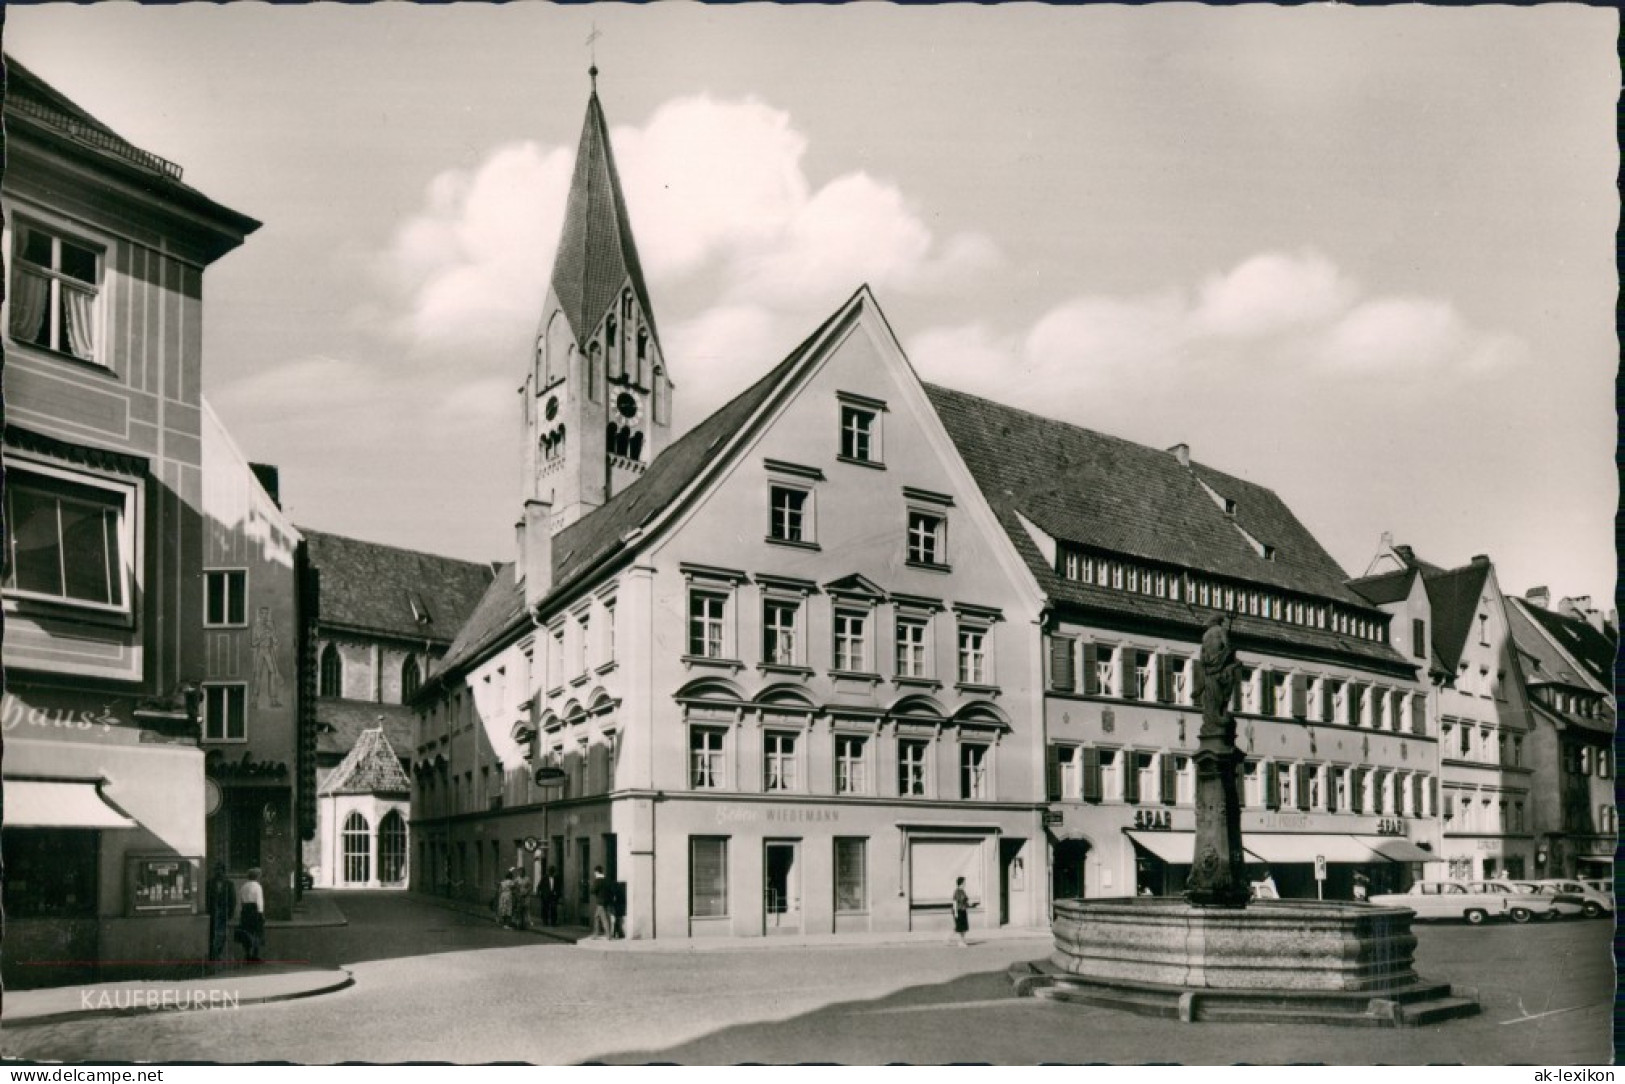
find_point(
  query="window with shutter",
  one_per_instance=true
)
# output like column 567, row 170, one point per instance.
column 1061, row 670
column 1091, row 669
column 1091, row 774
column 1357, row 779
column 1300, row 695
column 1131, row 777
column 1170, row 779
column 1052, row 774
column 1266, row 693
column 1302, row 788
column 1165, row 678
column 1332, row 785
column 1272, row 786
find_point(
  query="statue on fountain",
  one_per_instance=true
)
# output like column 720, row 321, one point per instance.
column 1218, row 871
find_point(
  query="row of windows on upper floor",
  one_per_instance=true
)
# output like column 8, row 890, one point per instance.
column 1577, row 759
column 792, row 520
column 1468, row 812
column 1123, row 672
column 714, row 765
column 854, row 623
column 1585, row 705
column 1179, row 585
column 330, row 674
column 1579, row 819
column 1466, row 739
column 1087, row 773
column 615, row 352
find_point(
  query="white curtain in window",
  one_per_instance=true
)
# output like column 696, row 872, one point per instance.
column 78, row 308
column 30, row 293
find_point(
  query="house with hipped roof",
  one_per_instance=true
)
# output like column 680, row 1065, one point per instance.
column 854, row 637
column 379, row 618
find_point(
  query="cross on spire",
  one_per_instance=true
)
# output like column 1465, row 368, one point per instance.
column 592, row 38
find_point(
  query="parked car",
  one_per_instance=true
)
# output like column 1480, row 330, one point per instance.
column 1525, row 901
column 1603, row 885
column 1593, row 903
column 1447, row 899
column 1546, row 901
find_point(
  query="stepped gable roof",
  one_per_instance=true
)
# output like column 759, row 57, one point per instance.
column 370, row 768
column 596, row 253
column 340, row 723
column 602, row 532
column 1453, row 597
column 391, row 591
column 1583, row 642
column 1386, row 587
column 1106, row 492
column 32, row 102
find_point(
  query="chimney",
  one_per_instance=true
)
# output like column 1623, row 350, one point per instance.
column 1388, row 540
column 1481, row 558
column 267, row 476
column 1182, row 452
column 1406, row 554
column 537, row 551
column 1540, row 596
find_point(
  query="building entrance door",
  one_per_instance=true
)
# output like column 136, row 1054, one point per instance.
column 781, row 887
column 1067, row 866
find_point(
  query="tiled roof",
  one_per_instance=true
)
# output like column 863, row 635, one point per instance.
column 1388, row 587
column 340, row 723
column 371, row 768
column 599, row 534
column 596, row 253
column 1453, row 597
column 1559, row 662
column 1582, row 641
column 31, row 100
column 391, row 591
column 1097, row 490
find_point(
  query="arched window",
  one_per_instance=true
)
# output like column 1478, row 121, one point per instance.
column 392, row 848
column 626, row 306
column 411, row 678
column 594, row 369
column 331, row 682
column 611, row 435
column 610, row 327
column 357, row 850
column 662, row 397
column 636, row 450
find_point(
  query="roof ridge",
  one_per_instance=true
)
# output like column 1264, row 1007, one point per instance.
column 311, row 532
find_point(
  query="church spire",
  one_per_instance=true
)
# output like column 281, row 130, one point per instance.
column 598, row 398
column 596, row 253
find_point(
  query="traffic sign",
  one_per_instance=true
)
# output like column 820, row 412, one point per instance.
column 1320, row 867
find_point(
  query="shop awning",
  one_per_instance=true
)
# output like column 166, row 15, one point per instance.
column 1175, row 848
column 1399, row 850
column 1304, row 847
column 36, row 804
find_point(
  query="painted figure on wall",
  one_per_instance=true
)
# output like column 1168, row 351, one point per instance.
column 267, row 675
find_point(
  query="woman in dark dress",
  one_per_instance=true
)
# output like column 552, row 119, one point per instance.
column 961, row 913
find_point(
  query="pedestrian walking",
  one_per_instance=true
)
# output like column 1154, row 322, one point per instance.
column 550, row 897
column 603, row 922
column 221, row 900
column 505, row 894
column 961, row 914
column 251, row 921
column 1362, row 887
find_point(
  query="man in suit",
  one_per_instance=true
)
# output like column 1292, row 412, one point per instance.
column 550, row 897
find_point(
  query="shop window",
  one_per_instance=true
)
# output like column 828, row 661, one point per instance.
column 224, row 713
column 851, row 876
column 54, row 292
column 50, row 872
column 708, row 877
column 71, row 539
column 357, row 849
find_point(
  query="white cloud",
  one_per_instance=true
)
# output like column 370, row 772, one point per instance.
column 721, row 208
column 1272, row 292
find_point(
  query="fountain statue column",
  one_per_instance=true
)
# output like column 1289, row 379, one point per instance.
column 1218, row 871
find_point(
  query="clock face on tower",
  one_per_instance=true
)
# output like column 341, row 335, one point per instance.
column 627, row 404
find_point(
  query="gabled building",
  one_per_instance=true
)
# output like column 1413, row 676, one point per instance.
column 104, row 836
column 1134, row 549
column 382, row 616
column 786, row 670
column 364, row 806
column 1566, row 662
column 1487, row 754
column 253, row 705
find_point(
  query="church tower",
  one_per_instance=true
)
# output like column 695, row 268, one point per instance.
column 597, row 399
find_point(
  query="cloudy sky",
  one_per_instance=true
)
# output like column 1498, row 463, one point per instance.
column 1361, row 256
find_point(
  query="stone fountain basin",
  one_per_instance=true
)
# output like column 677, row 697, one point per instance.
column 1296, row 945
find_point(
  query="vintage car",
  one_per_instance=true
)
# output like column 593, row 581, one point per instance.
column 1448, row 899
column 1593, row 904
column 1527, row 899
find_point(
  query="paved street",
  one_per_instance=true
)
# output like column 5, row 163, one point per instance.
column 437, row 985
